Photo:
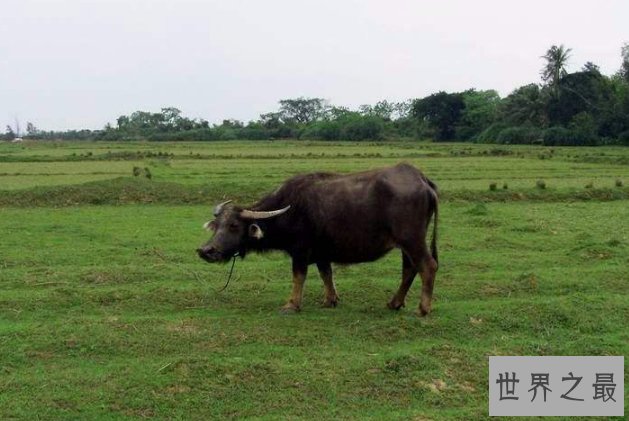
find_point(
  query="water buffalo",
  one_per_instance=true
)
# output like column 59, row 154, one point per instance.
column 324, row 218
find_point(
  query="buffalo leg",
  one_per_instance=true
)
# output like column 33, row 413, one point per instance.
column 408, row 276
column 428, row 273
column 423, row 263
column 331, row 297
column 300, row 270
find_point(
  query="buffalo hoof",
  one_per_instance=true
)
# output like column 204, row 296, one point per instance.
column 395, row 304
column 330, row 302
column 289, row 308
column 422, row 312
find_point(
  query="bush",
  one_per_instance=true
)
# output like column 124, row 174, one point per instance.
column 323, row 130
column 560, row 136
column 137, row 171
column 540, row 184
column 623, row 139
column 523, row 135
column 584, row 128
column 147, row 173
column 352, row 127
column 491, row 133
column 505, row 186
column 589, row 185
column 619, row 183
column 493, row 186
column 361, row 128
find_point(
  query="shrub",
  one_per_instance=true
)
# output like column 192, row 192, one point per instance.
column 584, row 128
column 323, row 130
column 137, row 171
column 493, row 186
column 560, row 136
column 352, row 127
column 361, row 128
column 491, row 133
column 619, row 183
column 623, row 139
column 540, row 184
column 505, row 186
column 147, row 173
column 589, row 185
column 523, row 135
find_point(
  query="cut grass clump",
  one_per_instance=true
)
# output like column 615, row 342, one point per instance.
column 589, row 185
column 540, row 184
column 493, row 186
column 619, row 183
column 505, row 186
column 478, row 210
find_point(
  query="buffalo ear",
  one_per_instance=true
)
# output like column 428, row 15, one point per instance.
column 255, row 231
column 210, row 226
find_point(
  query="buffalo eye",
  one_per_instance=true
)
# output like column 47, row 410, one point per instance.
column 233, row 226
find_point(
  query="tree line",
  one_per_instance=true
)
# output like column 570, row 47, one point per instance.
column 579, row 108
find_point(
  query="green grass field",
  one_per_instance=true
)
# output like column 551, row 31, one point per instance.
column 107, row 313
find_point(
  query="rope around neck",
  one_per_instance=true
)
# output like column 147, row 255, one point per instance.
column 230, row 274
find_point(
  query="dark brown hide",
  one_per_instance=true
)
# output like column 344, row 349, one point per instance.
column 341, row 218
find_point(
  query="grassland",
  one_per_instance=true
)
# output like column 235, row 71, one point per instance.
column 103, row 317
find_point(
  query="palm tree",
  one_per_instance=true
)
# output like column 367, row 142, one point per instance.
column 555, row 68
column 624, row 69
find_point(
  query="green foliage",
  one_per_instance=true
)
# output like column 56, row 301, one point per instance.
column 479, row 113
column 443, row 111
column 302, row 110
column 555, row 68
column 585, row 127
column 323, row 130
column 491, row 133
column 540, row 184
column 361, row 128
column 580, row 92
column 524, row 106
column 561, row 136
column 493, row 186
column 350, row 126
column 10, row 134
column 623, row 73
column 143, row 124
column 523, row 135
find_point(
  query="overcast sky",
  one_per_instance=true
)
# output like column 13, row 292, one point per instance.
column 79, row 64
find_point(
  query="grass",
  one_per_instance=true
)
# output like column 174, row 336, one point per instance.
column 262, row 165
column 95, row 325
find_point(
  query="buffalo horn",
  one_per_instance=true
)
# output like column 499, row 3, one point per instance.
column 219, row 207
column 249, row 214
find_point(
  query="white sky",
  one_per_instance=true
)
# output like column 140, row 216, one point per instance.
column 81, row 63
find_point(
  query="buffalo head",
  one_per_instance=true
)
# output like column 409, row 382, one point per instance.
column 234, row 228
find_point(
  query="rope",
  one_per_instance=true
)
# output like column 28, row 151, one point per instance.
column 230, row 274
column 196, row 275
